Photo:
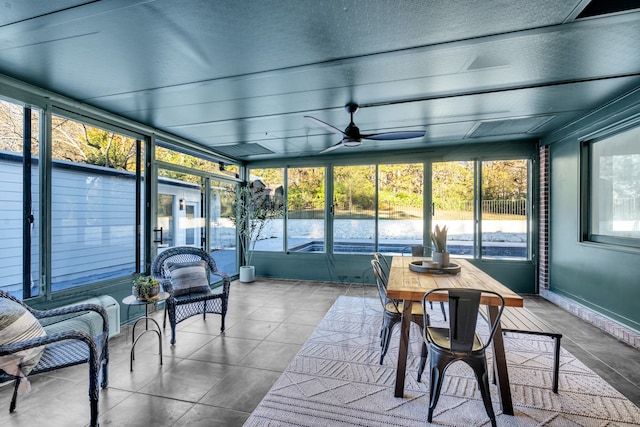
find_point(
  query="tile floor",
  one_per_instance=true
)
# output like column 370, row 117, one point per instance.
column 208, row 379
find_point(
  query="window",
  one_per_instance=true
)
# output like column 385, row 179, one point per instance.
column 93, row 204
column 19, row 230
column 305, row 204
column 270, row 183
column 502, row 210
column 400, row 206
column 222, row 232
column 354, row 198
column 611, row 189
column 505, row 209
column 453, row 204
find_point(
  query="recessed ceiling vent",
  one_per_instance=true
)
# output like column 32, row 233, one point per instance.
column 243, row 150
column 606, row 7
column 486, row 62
column 524, row 125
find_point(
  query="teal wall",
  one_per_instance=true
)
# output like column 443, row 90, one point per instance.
column 518, row 276
column 601, row 277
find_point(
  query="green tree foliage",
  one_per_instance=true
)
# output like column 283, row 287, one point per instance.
column 80, row 143
column 11, row 128
column 306, row 189
column 452, row 185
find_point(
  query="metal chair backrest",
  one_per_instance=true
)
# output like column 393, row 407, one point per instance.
column 463, row 317
column 381, row 282
column 416, row 250
column 384, row 264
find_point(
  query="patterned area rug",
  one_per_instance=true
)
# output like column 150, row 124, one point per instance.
column 336, row 380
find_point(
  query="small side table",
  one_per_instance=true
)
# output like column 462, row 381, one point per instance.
column 133, row 301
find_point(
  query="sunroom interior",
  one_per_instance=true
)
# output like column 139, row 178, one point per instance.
column 127, row 127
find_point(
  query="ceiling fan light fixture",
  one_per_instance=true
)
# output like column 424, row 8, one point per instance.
column 351, row 142
column 351, row 136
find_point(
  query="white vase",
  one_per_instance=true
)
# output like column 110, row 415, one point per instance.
column 442, row 258
column 247, row 273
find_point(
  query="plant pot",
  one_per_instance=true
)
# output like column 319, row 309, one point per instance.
column 152, row 292
column 247, row 273
column 442, row 258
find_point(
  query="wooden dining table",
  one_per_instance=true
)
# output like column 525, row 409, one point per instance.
column 410, row 286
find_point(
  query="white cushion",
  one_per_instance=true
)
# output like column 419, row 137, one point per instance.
column 18, row 324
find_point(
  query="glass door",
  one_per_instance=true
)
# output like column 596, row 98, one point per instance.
column 180, row 220
column 453, row 204
column 222, row 229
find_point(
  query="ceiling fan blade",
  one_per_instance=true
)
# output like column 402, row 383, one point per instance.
column 333, row 147
column 386, row 136
column 326, row 126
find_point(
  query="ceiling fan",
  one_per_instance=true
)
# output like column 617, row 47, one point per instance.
column 351, row 136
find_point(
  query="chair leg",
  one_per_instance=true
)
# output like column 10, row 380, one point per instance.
column 223, row 315
column 104, row 382
column 479, row 366
column 435, row 387
column 386, row 338
column 94, row 413
column 14, row 398
column 556, row 365
column 388, row 324
column 423, row 361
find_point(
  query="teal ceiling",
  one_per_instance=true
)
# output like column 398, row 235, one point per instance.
column 238, row 76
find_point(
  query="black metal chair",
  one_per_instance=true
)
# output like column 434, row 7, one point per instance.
column 393, row 314
column 65, row 344
column 184, row 306
column 460, row 342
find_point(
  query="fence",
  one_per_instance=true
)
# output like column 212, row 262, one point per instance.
column 452, row 209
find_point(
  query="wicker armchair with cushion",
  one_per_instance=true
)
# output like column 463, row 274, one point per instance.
column 37, row 341
column 185, row 272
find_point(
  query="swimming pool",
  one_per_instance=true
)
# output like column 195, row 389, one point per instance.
column 494, row 249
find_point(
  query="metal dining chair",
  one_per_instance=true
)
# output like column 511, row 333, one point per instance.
column 460, row 342
column 393, row 315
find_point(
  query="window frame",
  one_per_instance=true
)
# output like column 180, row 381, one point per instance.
column 586, row 234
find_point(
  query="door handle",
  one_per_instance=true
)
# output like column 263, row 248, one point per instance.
column 156, row 231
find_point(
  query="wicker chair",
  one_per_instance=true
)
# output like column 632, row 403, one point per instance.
column 179, row 308
column 66, row 345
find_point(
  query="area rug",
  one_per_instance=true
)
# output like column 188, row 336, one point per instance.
column 336, row 380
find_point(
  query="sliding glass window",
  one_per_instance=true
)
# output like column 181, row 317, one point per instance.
column 20, row 197
column 400, row 206
column 269, row 183
column 453, row 199
column 354, row 219
column 505, row 209
column 93, row 204
column 306, row 206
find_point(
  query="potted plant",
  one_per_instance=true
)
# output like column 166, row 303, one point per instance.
column 439, row 239
column 253, row 209
column 145, row 288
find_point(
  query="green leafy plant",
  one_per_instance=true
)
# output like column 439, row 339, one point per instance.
column 253, row 209
column 145, row 287
column 439, row 238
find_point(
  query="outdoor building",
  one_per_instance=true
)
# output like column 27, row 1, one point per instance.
column 129, row 129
